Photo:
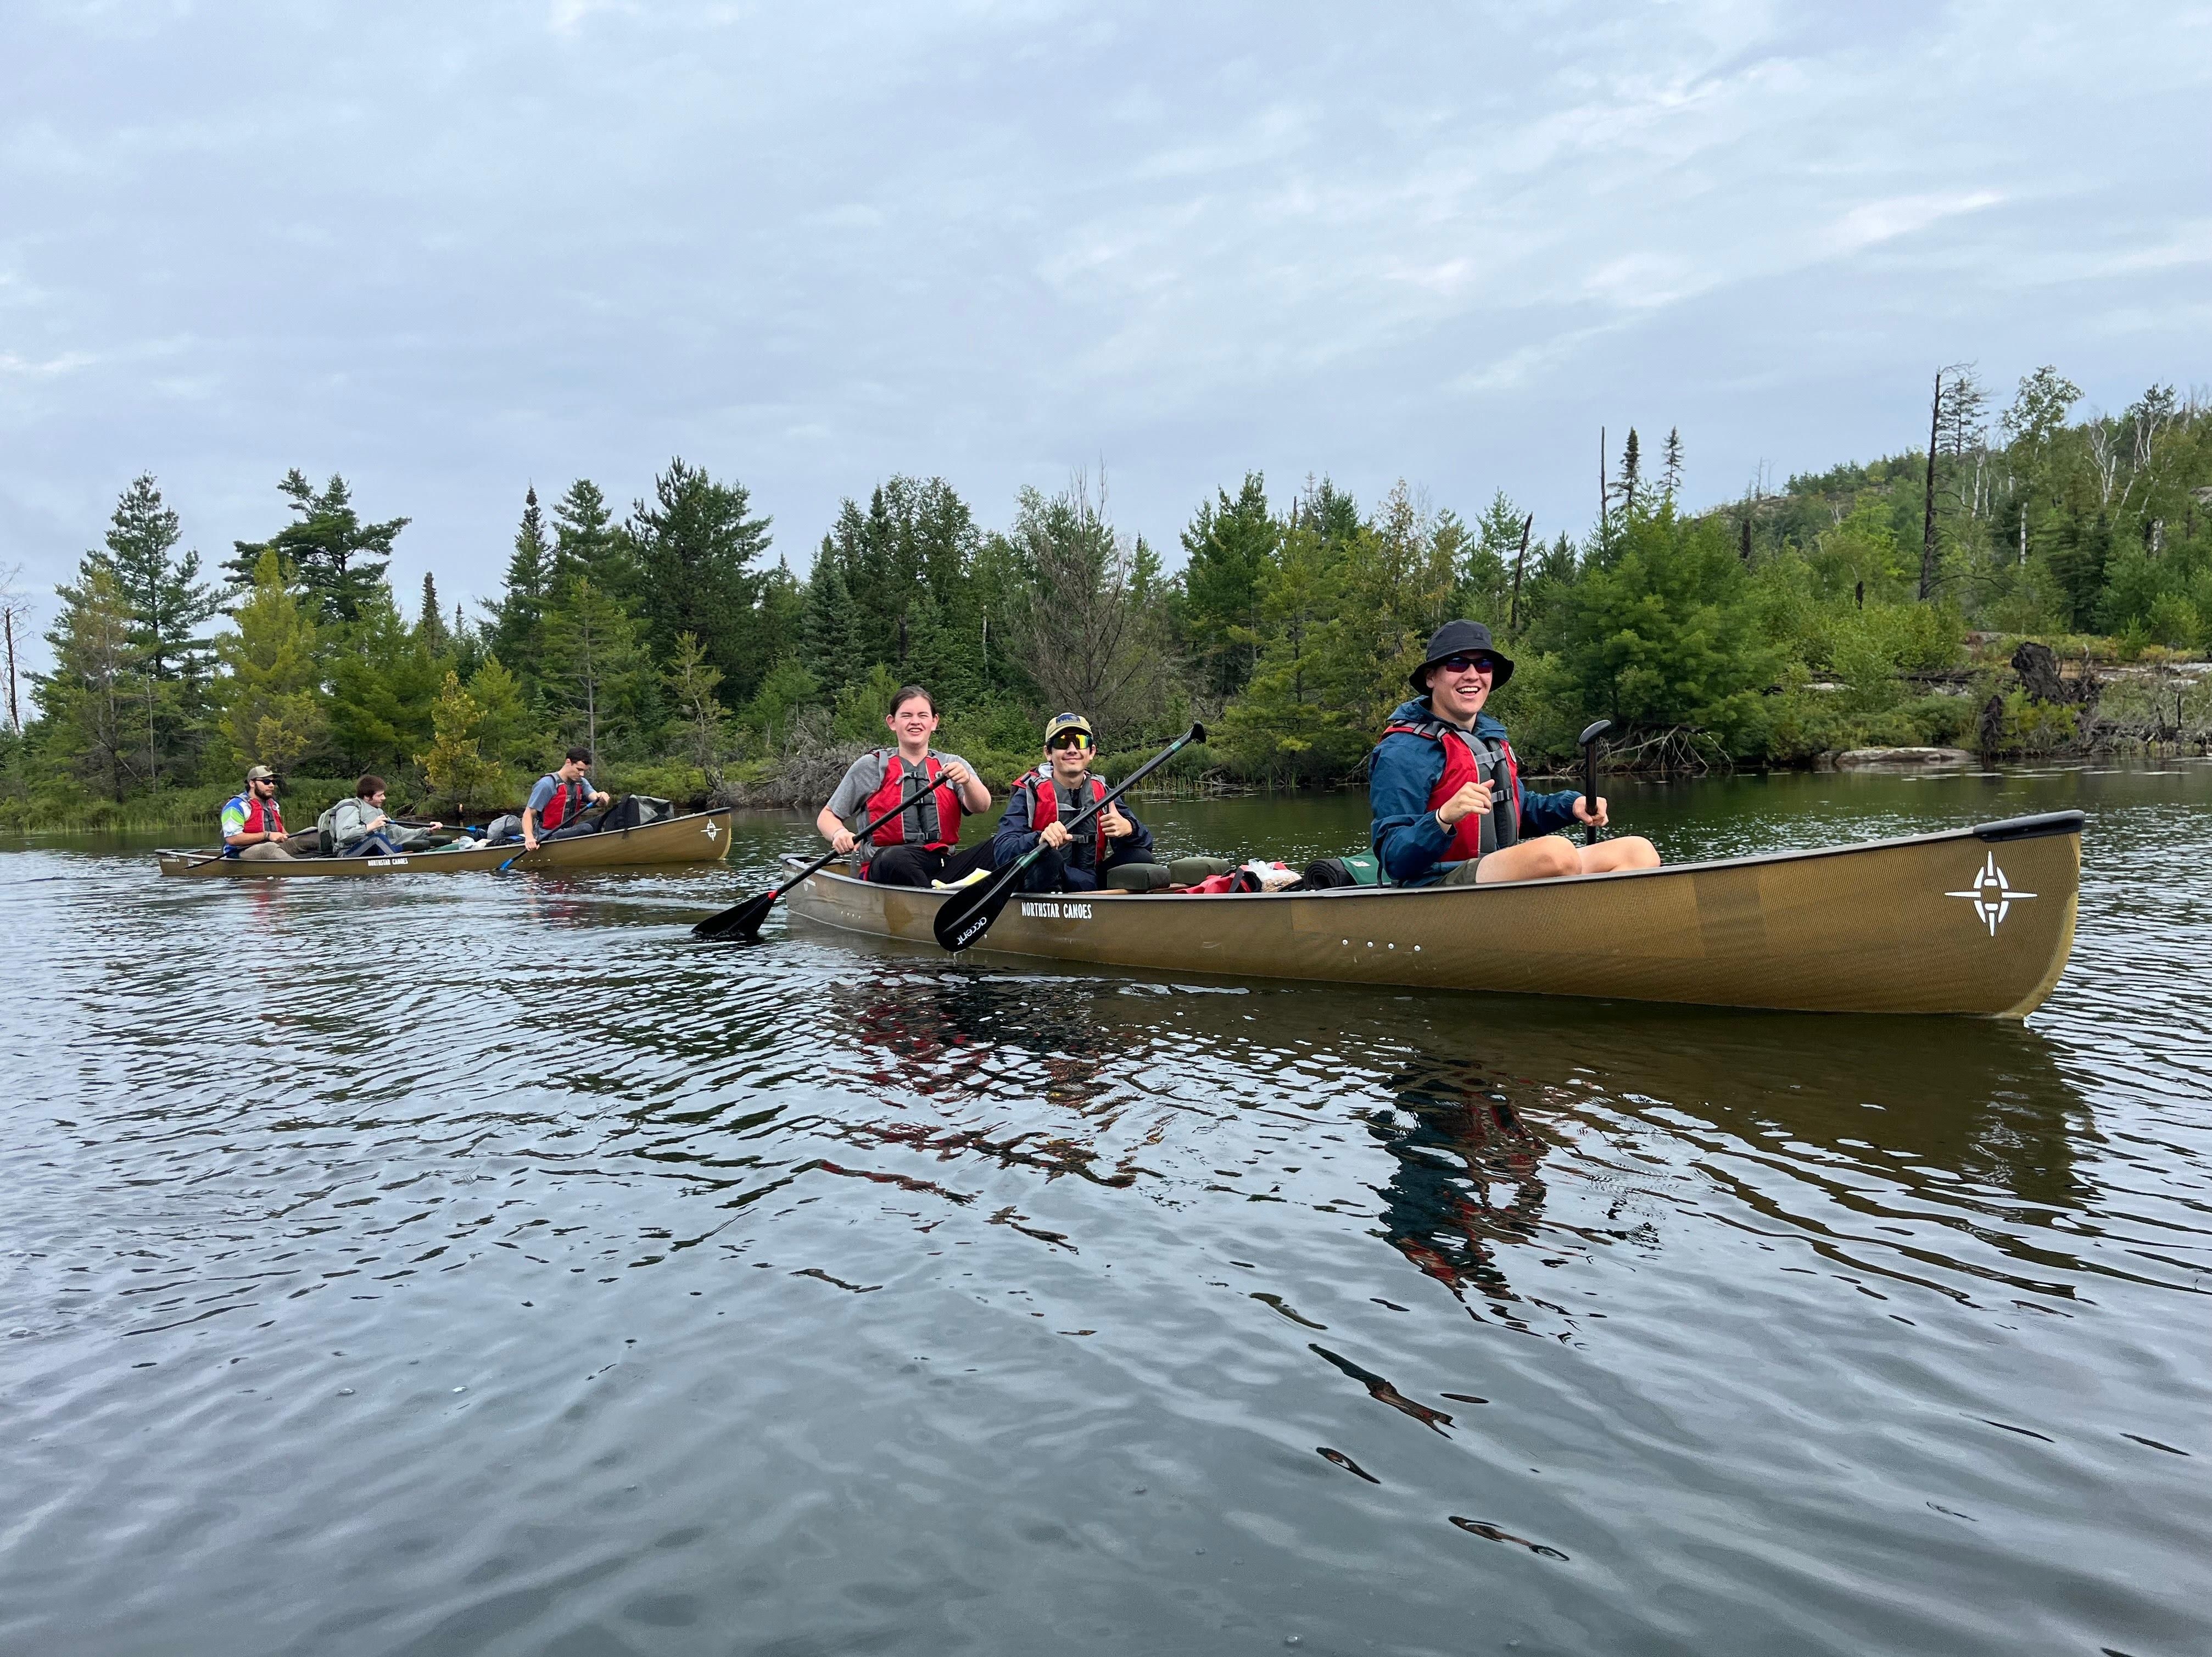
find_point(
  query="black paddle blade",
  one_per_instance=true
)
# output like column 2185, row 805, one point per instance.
column 740, row 920
column 967, row 914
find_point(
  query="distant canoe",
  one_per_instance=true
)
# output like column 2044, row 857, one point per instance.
column 700, row 837
column 1976, row 920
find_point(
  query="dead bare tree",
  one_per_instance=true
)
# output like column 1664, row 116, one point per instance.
column 1089, row 637
column 14, row 608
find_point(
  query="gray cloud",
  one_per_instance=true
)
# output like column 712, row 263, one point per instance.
column 450, row 251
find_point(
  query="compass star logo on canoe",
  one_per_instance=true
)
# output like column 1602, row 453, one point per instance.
column 1991, row 894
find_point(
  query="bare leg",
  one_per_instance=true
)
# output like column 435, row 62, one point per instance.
column 1544, row 858
column 1627, row 852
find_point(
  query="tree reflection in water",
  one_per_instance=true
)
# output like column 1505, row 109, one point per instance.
column 1469, row 1176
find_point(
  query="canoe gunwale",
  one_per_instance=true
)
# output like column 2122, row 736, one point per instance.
column 644, row 846
column 2036, row 827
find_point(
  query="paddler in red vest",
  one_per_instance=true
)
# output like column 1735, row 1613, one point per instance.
column 560, row 798
column 1050, row 797
column 921, row 843
column 1445, row 788
column 253, row 823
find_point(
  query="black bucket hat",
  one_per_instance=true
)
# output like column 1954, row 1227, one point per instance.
column 1461, row 638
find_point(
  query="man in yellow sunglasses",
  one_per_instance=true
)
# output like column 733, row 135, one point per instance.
column 1051, row 797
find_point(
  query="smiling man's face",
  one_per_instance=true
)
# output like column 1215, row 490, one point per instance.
column 912, row 722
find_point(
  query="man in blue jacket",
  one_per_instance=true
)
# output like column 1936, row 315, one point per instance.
column 1048, row 800
column 1445, row 789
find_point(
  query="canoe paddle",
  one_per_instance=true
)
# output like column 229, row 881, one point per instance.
column 1588, row 742
column 967, row 914
column 543, row 838
column 743, row 921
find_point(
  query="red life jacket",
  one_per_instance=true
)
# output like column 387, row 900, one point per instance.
column 1044, row 808
column 263, row 816
column 1478, row 831
column 931, row 821
column 567, row 799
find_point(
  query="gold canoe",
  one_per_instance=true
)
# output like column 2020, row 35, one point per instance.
column 1975, row 921
column 699, row 838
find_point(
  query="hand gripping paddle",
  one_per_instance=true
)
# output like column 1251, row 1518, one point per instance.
column 743, row 921
column 967, row 914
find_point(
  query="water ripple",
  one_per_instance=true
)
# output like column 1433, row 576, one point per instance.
column 474, row 1265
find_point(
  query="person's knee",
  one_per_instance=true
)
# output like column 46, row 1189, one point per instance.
column 1047, row 873
column 1627, row 852
column 1552, row 857
column 897, row 866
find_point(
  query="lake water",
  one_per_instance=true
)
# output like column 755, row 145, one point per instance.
column 479, row 1266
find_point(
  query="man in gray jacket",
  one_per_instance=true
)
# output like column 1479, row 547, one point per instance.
column 359, row 827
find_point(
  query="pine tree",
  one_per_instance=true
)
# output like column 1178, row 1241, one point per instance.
column 1627, row 491
column 272, row 711
column 519, row 617
column 383, row 682
column 591, row 654
column 454, row 766
column 506, row 732
column 93, row 700
column 430, row 623
column 586, row 542
column 1670, row 473
column 826, row 630
column 1485, row 587
column 168, row 603
column 692, row 682
column 1228, row 546
column 697, row 546
column 338, row 557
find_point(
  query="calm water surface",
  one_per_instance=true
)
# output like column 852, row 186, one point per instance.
column 479, row 1266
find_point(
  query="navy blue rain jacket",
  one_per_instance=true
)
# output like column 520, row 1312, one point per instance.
column 1015, row 836
column 1405, row 771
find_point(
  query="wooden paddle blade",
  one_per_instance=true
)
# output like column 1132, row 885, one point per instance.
column 967, row 914
column 740, row 920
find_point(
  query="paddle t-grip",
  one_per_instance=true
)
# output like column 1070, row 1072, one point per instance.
column 1589, row 741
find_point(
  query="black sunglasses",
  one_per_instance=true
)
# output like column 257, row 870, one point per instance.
column 1461, row 663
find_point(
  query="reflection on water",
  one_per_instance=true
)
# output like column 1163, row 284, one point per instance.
column 479, row 1266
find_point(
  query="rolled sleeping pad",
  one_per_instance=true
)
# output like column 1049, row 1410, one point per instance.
column 1139, row 877
column 1189, row 871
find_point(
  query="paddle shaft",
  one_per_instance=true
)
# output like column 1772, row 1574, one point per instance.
column 1592, row 735
column 714, row 925
column 992, row 898
column 545, row 840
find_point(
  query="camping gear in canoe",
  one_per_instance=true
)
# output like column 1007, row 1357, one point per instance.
column 697, row 838
column 1973, row 920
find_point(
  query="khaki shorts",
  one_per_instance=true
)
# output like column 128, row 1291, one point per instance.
column 1464, row 875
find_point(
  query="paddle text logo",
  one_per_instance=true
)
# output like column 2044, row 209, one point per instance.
column 1991, row 894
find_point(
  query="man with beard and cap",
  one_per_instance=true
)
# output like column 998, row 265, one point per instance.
column 1445, row 789
column 253, row 823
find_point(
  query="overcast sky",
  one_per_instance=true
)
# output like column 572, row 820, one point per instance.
column 452, row 250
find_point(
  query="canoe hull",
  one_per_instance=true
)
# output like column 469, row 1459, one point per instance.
column 698, row 838
column 1976, row 922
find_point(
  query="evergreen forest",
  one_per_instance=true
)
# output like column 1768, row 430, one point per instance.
column 1892, row 602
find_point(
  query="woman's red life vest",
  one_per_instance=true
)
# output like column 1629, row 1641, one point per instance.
column 1478, row 831
column 567, row 799
column 931, row 822
column 1044, row 808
